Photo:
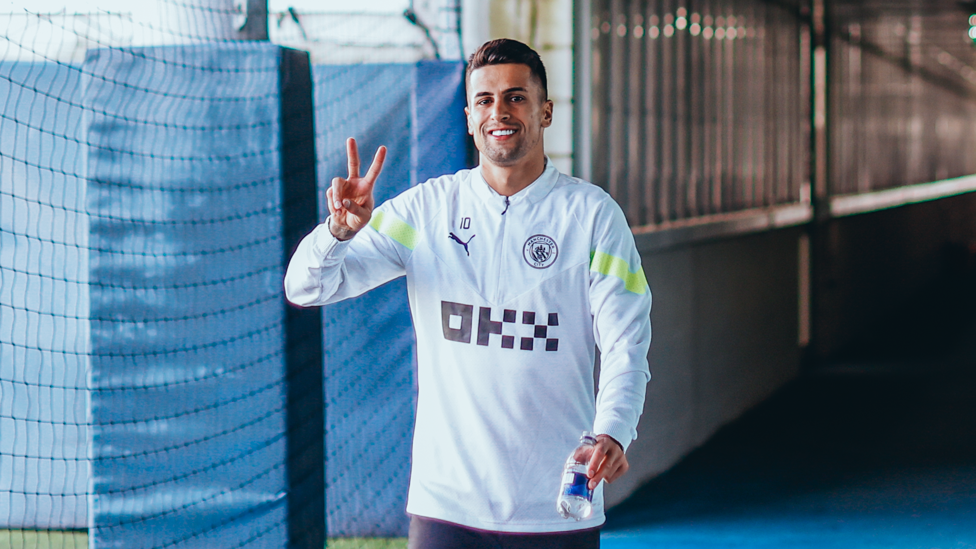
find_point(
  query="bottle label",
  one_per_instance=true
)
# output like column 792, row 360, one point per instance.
column 574, row 484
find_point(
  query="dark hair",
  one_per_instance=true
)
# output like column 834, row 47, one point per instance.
column 504, row 51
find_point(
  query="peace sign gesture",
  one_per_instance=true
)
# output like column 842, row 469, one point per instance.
column 351, row 199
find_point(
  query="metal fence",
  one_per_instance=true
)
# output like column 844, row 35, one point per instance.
column 902, row 95
column 699, row 108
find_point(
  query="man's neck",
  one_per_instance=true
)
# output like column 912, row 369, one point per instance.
column 508, row 180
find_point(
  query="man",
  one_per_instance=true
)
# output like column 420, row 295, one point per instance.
column 514, row 273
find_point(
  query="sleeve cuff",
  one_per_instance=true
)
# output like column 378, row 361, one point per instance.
column 616, row 429
column 326, row 245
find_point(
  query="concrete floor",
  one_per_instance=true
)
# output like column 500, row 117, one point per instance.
column 878, row 450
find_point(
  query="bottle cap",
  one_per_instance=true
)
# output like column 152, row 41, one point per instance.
column 587, row 437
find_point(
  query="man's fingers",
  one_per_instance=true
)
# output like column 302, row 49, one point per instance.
column 356, row 210
column 593, row 470
column 608, row 463
column 608, row 470
column 377, row 166
column 352, row 155
column 329, row 201
column 338, row 186
column 620, row 470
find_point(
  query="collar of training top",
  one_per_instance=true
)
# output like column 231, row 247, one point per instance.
column 537, row 190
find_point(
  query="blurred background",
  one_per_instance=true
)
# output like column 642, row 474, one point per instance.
column 798, row 175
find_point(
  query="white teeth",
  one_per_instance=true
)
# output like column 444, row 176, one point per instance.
column 503, row 132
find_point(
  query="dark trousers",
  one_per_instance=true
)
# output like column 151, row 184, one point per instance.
column 428, row 533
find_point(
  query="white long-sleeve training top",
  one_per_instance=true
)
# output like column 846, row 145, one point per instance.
column 509, row 297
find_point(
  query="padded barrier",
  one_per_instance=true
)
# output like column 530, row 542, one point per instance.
column 140, row 201
column 187, row 352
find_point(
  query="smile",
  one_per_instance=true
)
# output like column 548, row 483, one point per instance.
column 500, row 133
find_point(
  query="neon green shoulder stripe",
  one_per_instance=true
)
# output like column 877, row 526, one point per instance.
column 394, row 228
column 614, row 266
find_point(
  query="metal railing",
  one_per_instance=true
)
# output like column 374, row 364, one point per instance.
column 903, row 99
column 698, row 108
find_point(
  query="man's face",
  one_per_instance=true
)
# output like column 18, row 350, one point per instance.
column 507, row 112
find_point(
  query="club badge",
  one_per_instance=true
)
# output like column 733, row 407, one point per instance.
column 540, row 251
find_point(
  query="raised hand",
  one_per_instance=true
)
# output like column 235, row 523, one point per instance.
column 350, row 199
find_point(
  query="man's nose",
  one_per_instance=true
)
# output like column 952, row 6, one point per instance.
column 499, row 111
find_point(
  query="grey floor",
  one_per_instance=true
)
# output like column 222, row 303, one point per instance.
column 874, row 450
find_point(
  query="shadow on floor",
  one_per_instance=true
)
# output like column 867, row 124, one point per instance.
column 859, row 453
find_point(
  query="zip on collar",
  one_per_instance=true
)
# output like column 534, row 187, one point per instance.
column 534, row 192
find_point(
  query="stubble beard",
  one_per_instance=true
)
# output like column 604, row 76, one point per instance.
column 505, row 156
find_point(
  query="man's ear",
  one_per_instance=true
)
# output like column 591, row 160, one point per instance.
column 547, row 114
column 467, row 118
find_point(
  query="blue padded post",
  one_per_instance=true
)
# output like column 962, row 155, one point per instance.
column 189, row 360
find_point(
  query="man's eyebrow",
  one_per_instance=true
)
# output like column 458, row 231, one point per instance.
column 509, row 90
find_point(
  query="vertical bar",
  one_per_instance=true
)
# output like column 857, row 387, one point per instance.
column 802, row 133
column 804, row 288
column 305, row 400
column 770, row 114
column 747, row 107
column 890, row 111
column 850, row 105
column 774, row 32
column 786, row 99
column 743, row 111
column 599, row 169
column 736, row 160
column 682, row 186
column 255, row 20
column 718, row 87
column 821, row 192
column 708, row 123
column 728, row 119
column 635, row 166
column 820, row 121
column 758, row 130
column 819, row 230
column 848, row 171
column 583, row 90
column 652, row 86
column 697, row 189
column 617, row 104
column 758, row 73
column 665, row 210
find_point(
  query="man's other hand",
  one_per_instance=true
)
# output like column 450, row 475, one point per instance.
column 350, row 199
column 608, row 461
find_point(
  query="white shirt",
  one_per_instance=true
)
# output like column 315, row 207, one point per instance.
column 509, row 298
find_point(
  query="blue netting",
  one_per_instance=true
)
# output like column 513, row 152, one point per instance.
column 417, row 112
column 142, row 349
column 43, row 298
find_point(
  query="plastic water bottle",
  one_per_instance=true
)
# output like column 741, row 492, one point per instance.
column 575, row 497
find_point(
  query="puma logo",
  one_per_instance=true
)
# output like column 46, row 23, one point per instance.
column 455, row 238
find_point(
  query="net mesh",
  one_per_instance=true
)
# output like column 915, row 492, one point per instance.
column 142, row 329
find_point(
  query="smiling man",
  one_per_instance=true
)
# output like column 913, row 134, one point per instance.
column 515, row 274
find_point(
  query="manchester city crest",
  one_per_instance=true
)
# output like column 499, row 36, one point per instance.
column 540, row 251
